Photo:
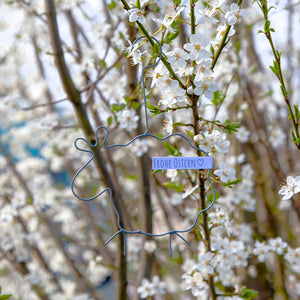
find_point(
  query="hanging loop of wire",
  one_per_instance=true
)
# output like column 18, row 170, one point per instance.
column 92, row 148
column 143, row 75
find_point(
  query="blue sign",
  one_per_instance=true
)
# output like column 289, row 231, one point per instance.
column 182, row 163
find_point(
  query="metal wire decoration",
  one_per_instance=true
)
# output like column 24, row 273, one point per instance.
column 122, row 230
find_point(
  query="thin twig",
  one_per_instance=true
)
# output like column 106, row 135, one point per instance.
column 90, row 86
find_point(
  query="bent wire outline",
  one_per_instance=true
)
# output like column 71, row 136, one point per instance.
column 146, row 134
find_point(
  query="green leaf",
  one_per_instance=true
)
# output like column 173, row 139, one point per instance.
column 293, row 135
column 230, row 183
column 132, row 176
column 210, row 197
column 275, row 68
column 155, row 110
column 121, row 35
column 109, row 120
column 177, row 124
column 230, row 127
column 268, row 94
column 297, row 113
column 267, row 26
column 128, row 99
column 171, row 150
column 248, row 294
column 117, row 107
column 237, row 46
column 212, row 49
column 295, row 139
column 171, row 36
column 253, row 69
column 156, row 171
column 4, row 297
column 190, row 133
column 218, row 98
column 135, row 105
column 172, row 185
column 278, row 53
column 29, row 201
column 112, row 5
column 271, row 7
column 155, row 50
column 102, row 63
column 177, row 2
column 284, row 91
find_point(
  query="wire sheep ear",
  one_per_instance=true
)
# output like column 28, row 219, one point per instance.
column 96, row 140
column 91, row 146
column 146, row 134
column 79, row 147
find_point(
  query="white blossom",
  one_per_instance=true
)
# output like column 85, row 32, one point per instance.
column 234, row 13
column 277, row 245
column 136, row 14
column 293, row 256
column 134, row 53
column 139, row 147
column 205, row 85
column 197, row 47
column 173, row 96
column 291, row 187
column 177, row 57
column 151, row 288
column 214, row 141
column 193, row 283
column 128, row 119
column 150, row 246
column 171, row 174
column 205, row 15
column 225, row 173
column 207, row 263
column 168, row 123
column 146, row 289
column 242, row 135
column 190, row 192
column 261, row 250
column 169, row 18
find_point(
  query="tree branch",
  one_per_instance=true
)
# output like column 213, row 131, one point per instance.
column 74, row 97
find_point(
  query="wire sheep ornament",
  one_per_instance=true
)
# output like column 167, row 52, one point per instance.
column 122, row 230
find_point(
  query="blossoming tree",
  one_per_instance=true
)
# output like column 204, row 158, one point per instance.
column 69, row 66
